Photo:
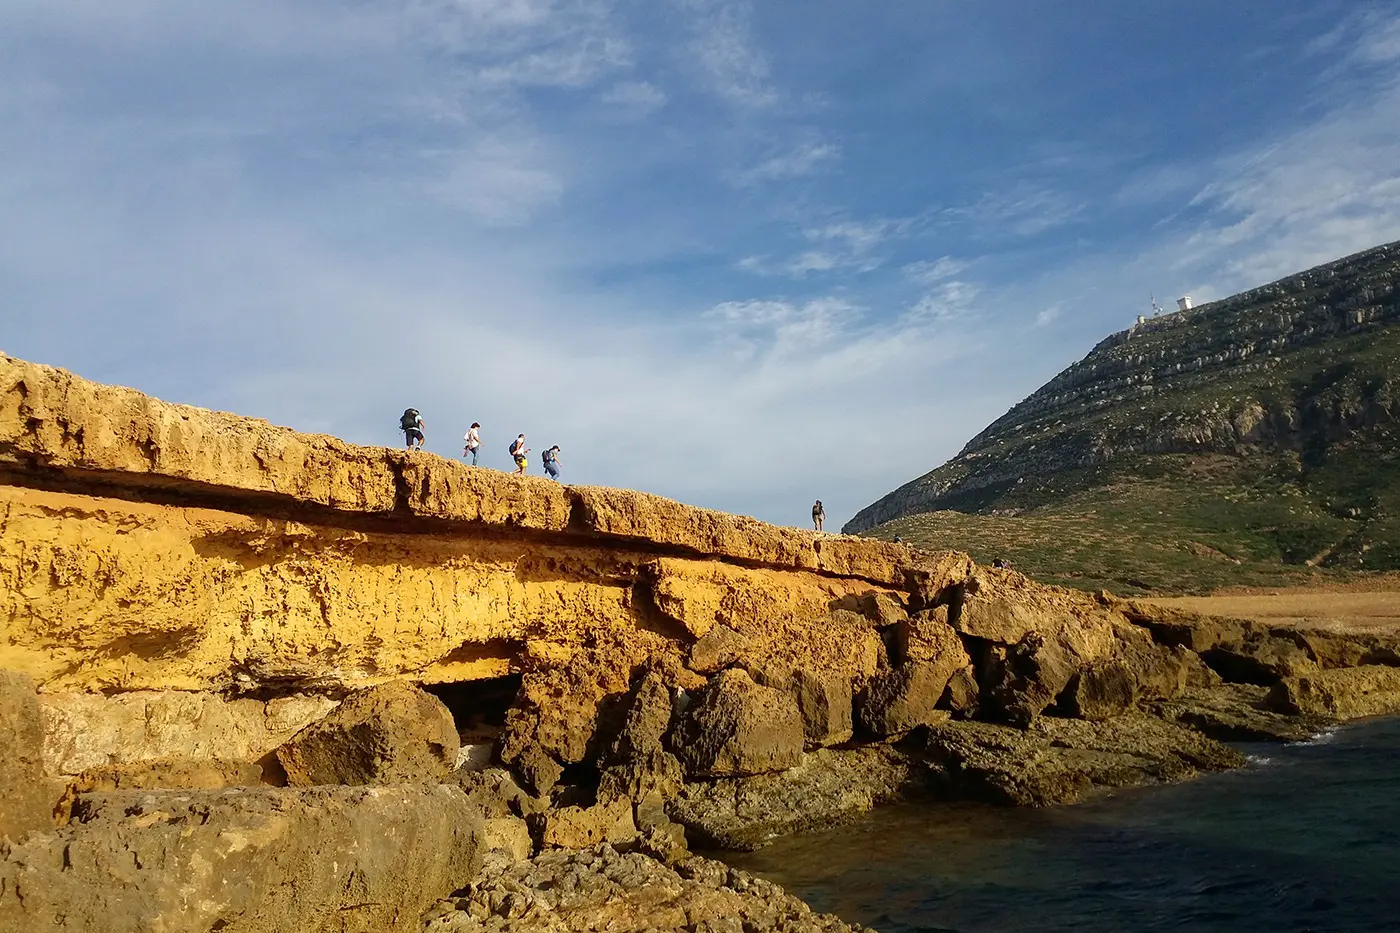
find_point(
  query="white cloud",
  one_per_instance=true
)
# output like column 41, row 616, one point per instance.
column 930, row 272
column 724, row 50
column 801, row 161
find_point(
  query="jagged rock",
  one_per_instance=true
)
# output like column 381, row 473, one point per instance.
column 599, row 888
column 1139, row 670
column 648, row 719
column 496, row 794
column 882, row 609
column 961, row 695
column 827, row 787
column 823, row 697
column 927, row 636
column 569, row 709
column 1058, row 761
column 659, row 836
column 739, row 727
column 1346, row 693
column 580, row 827
column 270, row 860
column 721, row 647
column 656, row 772
column 538, row 769
column 1236, row 713
column 26, row 798
column 905, row 698
column 391, row 734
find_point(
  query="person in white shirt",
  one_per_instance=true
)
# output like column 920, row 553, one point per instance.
column 473, row 440
column 518, row 452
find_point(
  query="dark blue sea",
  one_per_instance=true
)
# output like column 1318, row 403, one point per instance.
column 1306, row 839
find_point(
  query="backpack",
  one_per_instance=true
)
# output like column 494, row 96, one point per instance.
column 409, row 420
column 513, row 445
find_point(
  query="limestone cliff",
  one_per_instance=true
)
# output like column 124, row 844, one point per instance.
column 145, row 545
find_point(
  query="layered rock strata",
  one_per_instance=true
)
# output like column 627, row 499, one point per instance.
column 202, row 609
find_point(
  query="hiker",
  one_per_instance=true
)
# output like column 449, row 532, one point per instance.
column 473, row 440
column 518, row 450
column 411, row 423
column 551, row 461
column 818, row 515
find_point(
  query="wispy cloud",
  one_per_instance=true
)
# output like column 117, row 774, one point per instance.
column 724, row 50
column 798, row 162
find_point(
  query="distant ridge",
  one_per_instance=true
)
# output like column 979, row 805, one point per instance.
column 1287, row 393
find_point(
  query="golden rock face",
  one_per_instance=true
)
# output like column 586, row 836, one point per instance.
column 152, row 546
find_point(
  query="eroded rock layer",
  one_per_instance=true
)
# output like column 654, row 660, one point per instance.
column 200, row 610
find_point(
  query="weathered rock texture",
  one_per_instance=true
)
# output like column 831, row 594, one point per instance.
column 150, row 546
column 602, row 889
column 325, row 860
column 25, row 800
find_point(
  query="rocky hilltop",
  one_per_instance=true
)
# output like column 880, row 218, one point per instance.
column 254, row 680
column 1288, row 389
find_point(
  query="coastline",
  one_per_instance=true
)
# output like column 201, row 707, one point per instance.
column 233, row 649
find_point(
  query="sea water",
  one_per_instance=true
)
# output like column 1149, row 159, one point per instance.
column 1305, row 839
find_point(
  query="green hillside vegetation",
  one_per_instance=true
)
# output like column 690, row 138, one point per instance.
column 1255, row 442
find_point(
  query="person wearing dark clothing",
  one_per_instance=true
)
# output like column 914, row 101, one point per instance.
column 551, row 461
column 411, row 423
column 818, row 515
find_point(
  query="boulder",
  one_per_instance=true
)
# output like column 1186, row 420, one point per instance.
column 657, row 772
column 495, row 792
column 1057, row 761
column 394, row 733
column 882, row 609
column 580, row 827
column 961, row 695
column 26, row 798
column 928, row 637
column 1345, row 693
column 647, row 721
column 538, row 769
column 823, row 697
column 83, row 731
column 266, row 860
column 739, row 727
column 904, row 698
column 827, row 787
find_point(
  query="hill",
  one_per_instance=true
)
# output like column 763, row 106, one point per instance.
column 1251, row 441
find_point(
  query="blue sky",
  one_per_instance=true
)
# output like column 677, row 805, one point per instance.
column 743, row 254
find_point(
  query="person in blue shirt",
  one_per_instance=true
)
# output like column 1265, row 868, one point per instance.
column 551, row 461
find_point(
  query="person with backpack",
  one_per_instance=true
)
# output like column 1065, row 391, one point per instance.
column 411, row 423
column 551, row 461
column 473, row 442
column 518, row 451
column 818, row 515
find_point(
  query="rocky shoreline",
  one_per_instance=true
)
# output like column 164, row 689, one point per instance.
column 447, row 699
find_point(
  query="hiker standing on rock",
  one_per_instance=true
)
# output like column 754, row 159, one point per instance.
column 551, row 461
column 411, row 423
column 818, row 515
column 518, row 450
column 473, row 440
